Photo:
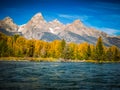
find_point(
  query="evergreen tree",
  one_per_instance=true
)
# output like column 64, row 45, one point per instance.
column 99, row 52
column 15, row 37
column 66, row 52
column 109, row 54
column 88, row 53
column 63, row 46
column 115, row 51
column 3, row 45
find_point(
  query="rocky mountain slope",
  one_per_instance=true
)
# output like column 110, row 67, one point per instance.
column 8, row 27
column 38, row 28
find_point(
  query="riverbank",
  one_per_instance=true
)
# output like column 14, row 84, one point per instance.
column 28, row 59
column 36, row 59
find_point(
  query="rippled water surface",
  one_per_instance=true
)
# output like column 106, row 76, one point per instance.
column 59, row 76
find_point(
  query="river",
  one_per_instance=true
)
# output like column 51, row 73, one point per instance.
column 59, row 76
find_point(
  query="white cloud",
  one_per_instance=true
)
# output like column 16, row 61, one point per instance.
column 82, row 17
column 109, row 31
column 68, row 16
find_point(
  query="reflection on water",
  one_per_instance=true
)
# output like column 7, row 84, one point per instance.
column 60, row 76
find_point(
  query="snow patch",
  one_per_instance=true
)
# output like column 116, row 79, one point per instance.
column 51, row 30
column 57, row 27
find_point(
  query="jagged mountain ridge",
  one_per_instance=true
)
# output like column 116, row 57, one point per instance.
column 38, row 28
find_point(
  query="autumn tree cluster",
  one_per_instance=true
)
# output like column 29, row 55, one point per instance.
column 18, row 46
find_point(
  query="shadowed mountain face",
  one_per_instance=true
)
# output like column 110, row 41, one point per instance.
column 38, row 28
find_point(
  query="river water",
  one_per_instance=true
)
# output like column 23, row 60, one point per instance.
column 59, row 76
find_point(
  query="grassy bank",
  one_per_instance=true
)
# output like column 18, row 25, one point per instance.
column 36, row 59
column 28, row 59
column 101, row 61
column 91, row 61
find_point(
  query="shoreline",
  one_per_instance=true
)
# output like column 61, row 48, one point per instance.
column 34, row 59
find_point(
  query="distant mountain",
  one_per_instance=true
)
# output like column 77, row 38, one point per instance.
column 38, row 28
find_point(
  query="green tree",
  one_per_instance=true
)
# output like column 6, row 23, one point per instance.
column 30, row 48
column 99, row 49
column 88, row 52
column 3, row 45
column 10, row 50
column 115, row 51
column 66, row 53
column 63, row 46
column 15, row 37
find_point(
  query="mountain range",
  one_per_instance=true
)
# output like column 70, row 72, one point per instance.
column 38, row 28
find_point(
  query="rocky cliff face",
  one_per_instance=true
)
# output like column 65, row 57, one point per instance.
column 8, row 26
column 38, row 28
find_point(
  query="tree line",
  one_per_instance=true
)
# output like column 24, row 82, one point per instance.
column 18, row 46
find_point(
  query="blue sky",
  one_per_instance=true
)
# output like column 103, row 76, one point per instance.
column 100, row 14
